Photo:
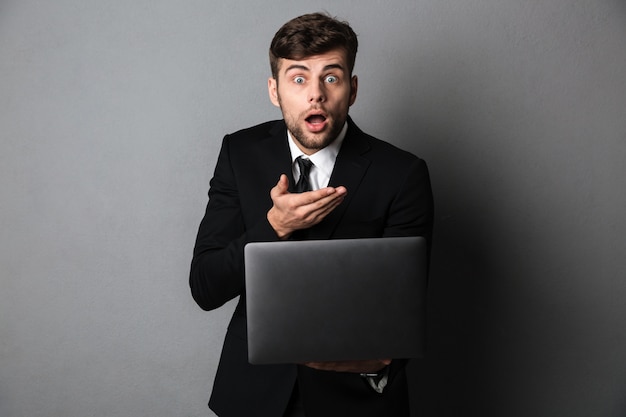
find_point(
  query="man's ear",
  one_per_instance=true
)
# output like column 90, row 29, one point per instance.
column 354, row 86
column 272, row 89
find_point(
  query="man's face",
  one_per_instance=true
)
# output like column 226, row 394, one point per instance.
column 314, row 95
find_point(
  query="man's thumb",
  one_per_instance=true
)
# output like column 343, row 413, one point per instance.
column 282, row 186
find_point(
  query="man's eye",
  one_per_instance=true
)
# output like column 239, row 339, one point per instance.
column 331, row 79
column 299, row 80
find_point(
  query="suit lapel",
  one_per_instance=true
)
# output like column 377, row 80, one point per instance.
column 273, row 151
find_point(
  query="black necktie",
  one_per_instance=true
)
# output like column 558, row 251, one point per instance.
column 303, row 183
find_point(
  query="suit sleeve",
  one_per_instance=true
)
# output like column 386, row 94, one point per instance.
column 411, row 214
column 411, row 211
column 217, row 274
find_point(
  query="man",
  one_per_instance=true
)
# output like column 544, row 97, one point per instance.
column 362, row 187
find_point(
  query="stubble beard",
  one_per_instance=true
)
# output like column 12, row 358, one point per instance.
column 314, row 141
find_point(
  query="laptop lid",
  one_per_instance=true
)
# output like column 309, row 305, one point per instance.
column 331, row 300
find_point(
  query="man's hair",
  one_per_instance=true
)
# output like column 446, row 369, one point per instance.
column 309, row 35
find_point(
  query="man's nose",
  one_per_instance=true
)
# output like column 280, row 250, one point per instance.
column 317, row 93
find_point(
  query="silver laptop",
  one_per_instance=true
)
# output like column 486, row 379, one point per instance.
column 331, row 300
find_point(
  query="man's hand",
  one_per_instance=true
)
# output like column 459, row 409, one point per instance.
column 292, row 212
column 359, row 367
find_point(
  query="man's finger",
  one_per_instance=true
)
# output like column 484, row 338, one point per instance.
column 321, row 197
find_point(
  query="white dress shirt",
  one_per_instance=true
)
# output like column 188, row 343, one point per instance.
column 323, row 160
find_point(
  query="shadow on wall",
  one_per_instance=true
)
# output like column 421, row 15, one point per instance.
column 512, row 325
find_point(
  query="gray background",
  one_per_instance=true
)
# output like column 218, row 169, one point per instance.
column 111, row 115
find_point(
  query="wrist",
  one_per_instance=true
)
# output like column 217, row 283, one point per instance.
column 281, row 233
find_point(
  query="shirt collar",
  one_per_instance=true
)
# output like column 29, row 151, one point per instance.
column 324, row 159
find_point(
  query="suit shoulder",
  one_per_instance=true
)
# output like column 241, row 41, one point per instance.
column 378, row 149
column 260, row 130
column 387, row 151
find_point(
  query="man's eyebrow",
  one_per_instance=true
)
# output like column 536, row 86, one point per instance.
column 296, row 66
column 305, row 68
column 334, row 66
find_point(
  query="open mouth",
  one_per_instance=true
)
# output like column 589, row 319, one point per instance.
column 315, row 119
column 316, row 122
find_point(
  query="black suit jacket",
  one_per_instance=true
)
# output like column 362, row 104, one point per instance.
column 389, row 194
